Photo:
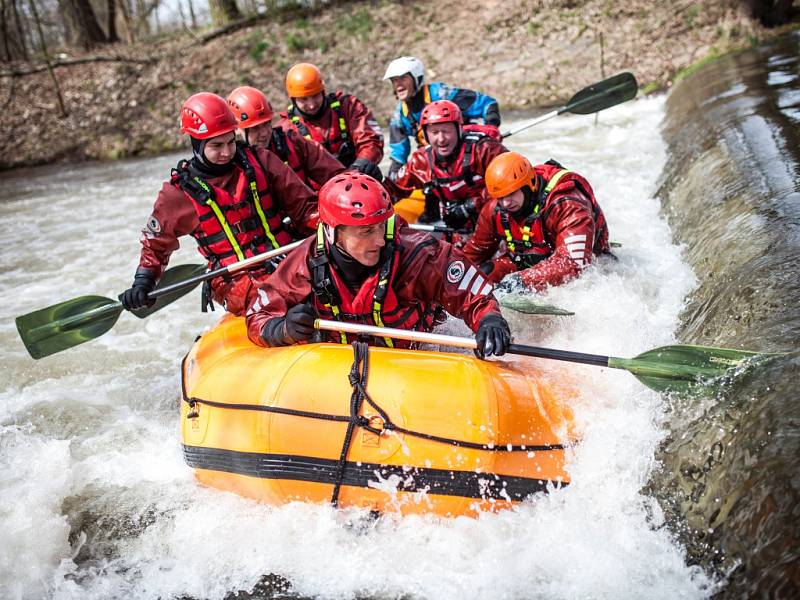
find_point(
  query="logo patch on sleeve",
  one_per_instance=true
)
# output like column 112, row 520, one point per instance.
column 455, row 271
column 154, row 224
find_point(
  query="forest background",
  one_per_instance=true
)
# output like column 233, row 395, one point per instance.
column 104, row 79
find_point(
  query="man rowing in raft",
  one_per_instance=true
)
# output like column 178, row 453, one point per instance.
column 340, row 122
column 310, row 161
column 545, row 217
column 365, row 266
column 407, row 76
column 230, row 197
column 450, row 169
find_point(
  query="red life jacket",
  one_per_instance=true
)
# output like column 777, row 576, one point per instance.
column 463, row 184
column 375, row 302
column 282, row 145
column 338, row 142
column 526, row 244
column 233, row 226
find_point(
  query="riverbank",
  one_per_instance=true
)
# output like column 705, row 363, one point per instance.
column 526, row 54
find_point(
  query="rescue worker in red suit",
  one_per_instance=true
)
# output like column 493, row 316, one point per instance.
column 544, row 217
column 312, row 164
column 231, row 198
column 365, row 266
column 450, row 170
column 340, row 122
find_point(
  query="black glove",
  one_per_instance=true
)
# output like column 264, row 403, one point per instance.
column 492, row 115
column 144, row 282
column 458, row 215
column 394, row 168
column 296, row 326
column 367, row 167
column 493, row 336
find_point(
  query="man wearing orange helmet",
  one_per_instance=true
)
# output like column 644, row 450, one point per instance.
column 231, row 198
column 312, row 164
column 340, row 122
column 364, row 267
column 450, row 168
column 546, row 218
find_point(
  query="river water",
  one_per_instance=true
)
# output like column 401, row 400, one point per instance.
column 96, row 501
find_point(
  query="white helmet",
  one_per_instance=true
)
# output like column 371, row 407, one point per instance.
column 407, row 64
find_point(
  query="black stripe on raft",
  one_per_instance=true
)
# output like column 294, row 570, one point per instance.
column 467, row 484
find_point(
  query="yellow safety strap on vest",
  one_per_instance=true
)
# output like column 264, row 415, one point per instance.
column 383, row 282
column 526, row 232
column 334, row 308
column 222, row 220
column 554, row 180
column 342, row 125
column 261, row 215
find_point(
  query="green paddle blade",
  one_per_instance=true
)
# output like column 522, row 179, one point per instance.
column 528, row 306
column 172, row 276
column 681, row 367
column 61, row 326
column 604, row 94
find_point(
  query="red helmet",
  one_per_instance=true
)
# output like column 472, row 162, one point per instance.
column 353, row 198
column 250, row 106
column 441, row 111
column 206, row 115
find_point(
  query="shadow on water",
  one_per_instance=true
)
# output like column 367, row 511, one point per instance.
column 731, row 192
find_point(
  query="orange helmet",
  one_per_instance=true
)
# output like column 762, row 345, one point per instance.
column 250, row 106
column 509, row 172
column 304, row 80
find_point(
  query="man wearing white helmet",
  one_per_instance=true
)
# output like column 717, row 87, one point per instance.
column 407, row 75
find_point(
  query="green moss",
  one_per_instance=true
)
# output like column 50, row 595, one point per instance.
column 651, row 87
column 696, row 66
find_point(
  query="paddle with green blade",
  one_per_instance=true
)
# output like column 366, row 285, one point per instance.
column 73, row 322
column 594, row 98
column 669, row 368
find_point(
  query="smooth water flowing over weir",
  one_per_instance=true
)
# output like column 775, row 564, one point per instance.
column 95, row 498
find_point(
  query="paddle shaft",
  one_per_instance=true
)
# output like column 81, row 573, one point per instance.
column 230, row 269
column 459, row 342
column 536, row 121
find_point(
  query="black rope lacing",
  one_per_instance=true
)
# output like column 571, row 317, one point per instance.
column 358, row 376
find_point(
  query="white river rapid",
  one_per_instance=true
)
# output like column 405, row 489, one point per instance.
column 89, row 437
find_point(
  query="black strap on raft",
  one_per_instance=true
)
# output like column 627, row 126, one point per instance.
column 358, row 380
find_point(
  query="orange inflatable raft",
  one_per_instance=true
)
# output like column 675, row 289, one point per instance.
column 440, row 433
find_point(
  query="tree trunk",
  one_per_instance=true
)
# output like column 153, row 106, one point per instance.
column 20, row 30
column 84, row 28
column 126, row 19
column 192, row 14
column 112, row 21
column 47, row 58
column 224, row 11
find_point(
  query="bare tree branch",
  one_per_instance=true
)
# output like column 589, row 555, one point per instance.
column 76, row 61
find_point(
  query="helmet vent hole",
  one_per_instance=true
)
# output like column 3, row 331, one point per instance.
column 365, row 186
column 348, row 186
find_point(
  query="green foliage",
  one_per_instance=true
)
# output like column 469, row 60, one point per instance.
column 697, row 65
column 257, row 49
column 357, row 24
column 297, row 42
column 534, row 27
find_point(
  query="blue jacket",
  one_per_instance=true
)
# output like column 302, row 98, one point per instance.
column 405, row 122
